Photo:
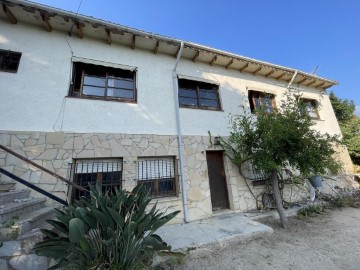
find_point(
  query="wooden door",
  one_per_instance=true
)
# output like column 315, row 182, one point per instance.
column 217, row 180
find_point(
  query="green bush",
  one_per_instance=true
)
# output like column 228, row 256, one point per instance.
column 107, row 231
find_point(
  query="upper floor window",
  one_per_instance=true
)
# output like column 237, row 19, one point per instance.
column 158, row 175
column 9, row 61
column 311, row 108
column 95, row 81
column 199, row 95
column 261, row 101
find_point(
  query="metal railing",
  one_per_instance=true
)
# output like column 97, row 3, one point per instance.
column 34, row 187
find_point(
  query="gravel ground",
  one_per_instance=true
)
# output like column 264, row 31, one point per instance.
column 327, row 241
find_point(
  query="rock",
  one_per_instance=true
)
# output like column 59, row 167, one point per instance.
column 10, row 248
column 49, row 154
column 29, row 262
column 55, row 138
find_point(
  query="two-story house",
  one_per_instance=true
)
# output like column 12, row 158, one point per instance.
column 96, row 101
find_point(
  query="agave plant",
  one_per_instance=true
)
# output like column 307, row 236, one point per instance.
column 107, row 231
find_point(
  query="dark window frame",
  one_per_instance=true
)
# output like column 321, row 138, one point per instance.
column 82, row 71
column 314, row 106
column 89, row 175
column 196, row 87
column 160, row 187
column 9, row 58
column 260, row 96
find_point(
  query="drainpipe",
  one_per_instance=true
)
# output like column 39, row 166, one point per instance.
column 178, row 126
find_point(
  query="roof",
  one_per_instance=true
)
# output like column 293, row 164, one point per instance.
column 85, row 26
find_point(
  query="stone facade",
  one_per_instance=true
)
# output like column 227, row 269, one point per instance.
column 57, row 150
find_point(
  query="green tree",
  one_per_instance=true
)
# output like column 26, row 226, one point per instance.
column 349, row 124
column 281, row 139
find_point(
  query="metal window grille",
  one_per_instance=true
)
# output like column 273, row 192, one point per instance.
column 158, row 175
column 106, row 172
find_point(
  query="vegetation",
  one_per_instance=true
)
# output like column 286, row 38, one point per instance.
column 343, row 198
column 282, row 139
column 108, row 231
column 349, row 123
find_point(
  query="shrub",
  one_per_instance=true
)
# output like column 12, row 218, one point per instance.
column 108, row 231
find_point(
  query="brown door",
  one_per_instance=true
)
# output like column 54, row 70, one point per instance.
column 217, row 180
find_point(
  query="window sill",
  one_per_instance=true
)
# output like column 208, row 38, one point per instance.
column 102, row 99
column 204, row 109
column 165, row 199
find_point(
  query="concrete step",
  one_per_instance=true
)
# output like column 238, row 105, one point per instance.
column 35, row 220
column 10, row 196
column 6, row 186
column 17, row 208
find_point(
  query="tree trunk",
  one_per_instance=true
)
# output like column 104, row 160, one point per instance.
column 278, row 200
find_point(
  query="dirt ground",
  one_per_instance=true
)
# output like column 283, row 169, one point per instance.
column 327, row 241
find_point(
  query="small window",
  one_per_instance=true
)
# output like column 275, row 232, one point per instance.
column 158, row 175
column 199, row 95
column 93, row 81
column 106, row 172
column 261, row 101
column 9, row 61
column 311, row 108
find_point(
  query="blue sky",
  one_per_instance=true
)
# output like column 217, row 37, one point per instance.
column 298, row 34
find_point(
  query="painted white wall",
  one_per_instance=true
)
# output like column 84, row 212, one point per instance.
column 34, row 99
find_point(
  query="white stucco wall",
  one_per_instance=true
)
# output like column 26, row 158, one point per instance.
column 34, row 99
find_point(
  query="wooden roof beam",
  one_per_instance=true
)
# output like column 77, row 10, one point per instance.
column 108, row 36
column 196, row 56
column 230, row 63
column 133, row 44
column 156, row 47
column 320, row 85
column 213, row 60
column 45, row 20
column 311, row 83
column 269, row 73
column 257, row 70
column 280, row 76
column 80, row 31
column 301, row 81
column 244, row 67
column 9, row 14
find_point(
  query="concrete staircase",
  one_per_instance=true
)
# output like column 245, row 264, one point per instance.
column 21, row 218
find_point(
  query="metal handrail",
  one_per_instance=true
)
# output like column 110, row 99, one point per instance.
column 32, row 186
column 42, row 168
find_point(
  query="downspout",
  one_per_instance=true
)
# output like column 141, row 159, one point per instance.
column 178, row 126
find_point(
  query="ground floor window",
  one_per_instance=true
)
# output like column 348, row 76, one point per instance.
column 158, row 175
column 106, row 172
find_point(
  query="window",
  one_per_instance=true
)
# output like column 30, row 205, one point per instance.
column 9, row 61
column 106, row 172
column 198, row 95
column 93, row 81
column 158, row 175
column 261, row 101
column 311, row 108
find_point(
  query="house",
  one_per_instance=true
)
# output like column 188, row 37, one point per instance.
column 95, row 101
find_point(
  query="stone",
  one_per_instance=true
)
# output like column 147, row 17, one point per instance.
column 29, row 142
column 117, row 150
column 10, row 248
column 35, row 135
column 15, row 143
column 55, row 138
column 5, row 139
column 29, row 262
column 126, row 142
column 79, row 143
column 150, row 151
column 195, row 194
column 69, row 144
column 49, row 154
column 86, row 154
column 143, row 143
column 161, row 151
column 3, row 264
column 34, row 150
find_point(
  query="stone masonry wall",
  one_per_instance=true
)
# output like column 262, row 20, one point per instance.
column 56, row 151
